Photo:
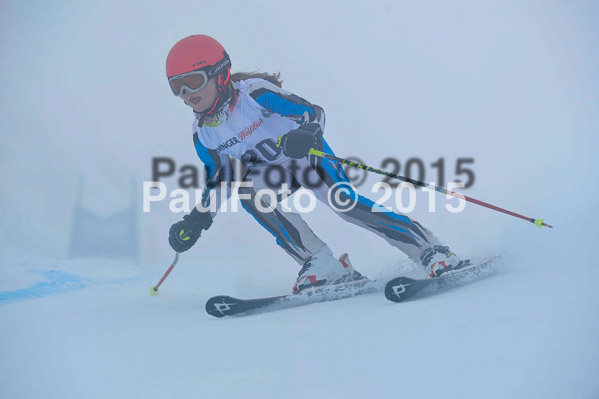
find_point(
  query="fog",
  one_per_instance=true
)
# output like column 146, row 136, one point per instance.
column 512, row 85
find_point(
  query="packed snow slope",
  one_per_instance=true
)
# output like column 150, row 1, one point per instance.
column 529, row 330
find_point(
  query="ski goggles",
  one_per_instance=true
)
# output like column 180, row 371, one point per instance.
column 196, row 80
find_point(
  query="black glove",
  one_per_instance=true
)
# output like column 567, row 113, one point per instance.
column 298, row 142
column 184, row 234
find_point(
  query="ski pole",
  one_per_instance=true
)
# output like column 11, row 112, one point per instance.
column 538, row 222
column 154, row 290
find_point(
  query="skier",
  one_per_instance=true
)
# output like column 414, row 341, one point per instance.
column 250, row 117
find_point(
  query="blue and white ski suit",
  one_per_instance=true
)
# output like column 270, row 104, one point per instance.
column 262, row 113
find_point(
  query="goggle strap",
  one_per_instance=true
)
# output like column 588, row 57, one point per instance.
column 218, row 68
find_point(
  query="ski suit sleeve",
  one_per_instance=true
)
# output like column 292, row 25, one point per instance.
column 279, row 101
column 218, row 170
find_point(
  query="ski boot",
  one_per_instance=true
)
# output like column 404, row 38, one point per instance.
column 439, row 260
column 323, row 269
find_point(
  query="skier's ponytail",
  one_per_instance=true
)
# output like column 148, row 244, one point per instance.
column 274, row 78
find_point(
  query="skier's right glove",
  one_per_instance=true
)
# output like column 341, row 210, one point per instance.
column 184, row 234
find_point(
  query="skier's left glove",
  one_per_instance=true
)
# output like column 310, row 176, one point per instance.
column 298, row 142
column 185, row 233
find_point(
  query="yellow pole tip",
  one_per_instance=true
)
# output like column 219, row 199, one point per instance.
column 539, row 222
column 153, row 291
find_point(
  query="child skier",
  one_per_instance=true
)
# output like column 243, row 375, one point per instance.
column 250, row 117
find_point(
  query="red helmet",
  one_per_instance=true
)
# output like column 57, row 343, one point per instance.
column 196, row 52
column 201, row 52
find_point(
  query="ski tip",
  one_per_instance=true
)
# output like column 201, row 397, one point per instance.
column 395, row 289
column 153, row 291
column 221, row 306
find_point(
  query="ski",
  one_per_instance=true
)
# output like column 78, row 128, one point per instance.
column 402, row 288
column 396, row 290
column 223, row 305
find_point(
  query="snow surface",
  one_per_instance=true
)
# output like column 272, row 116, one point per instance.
column 528, row 331
column 512, row 84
